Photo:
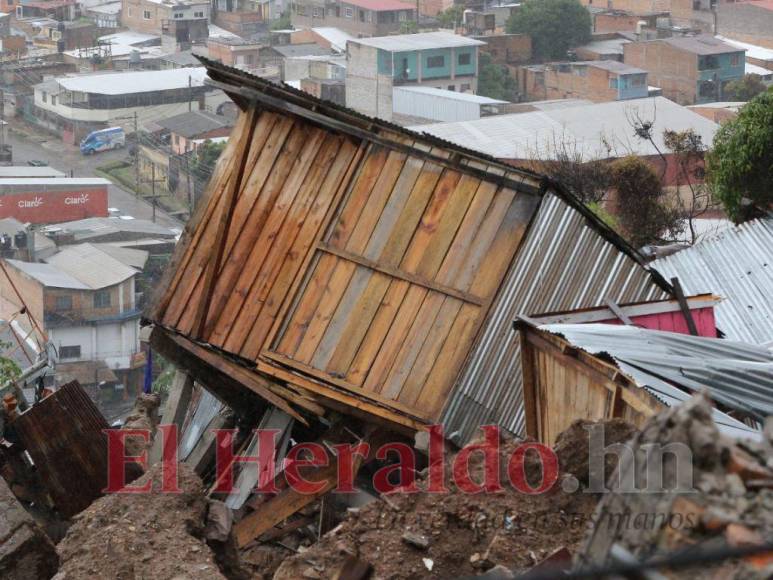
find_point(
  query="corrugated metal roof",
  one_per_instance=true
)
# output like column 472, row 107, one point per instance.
column 48, row 275
column 420, row 41
column 194, row 123
column 737, row 265
column 568, row 266
column 752, row 50
column 125, row 83
column 94, row 267
column 599, row 130
column 96, row 227
column 737, row 374
column 132, row 257
column 335, row 36
column 703, row 44
column 451, row 95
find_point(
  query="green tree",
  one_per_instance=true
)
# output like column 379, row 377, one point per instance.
column 494, row 80
column 643, row 213
column 744, row 89
column 740, row 165
column 555, row 26
column 451, row 17
column 282, row 23
column 203, row 161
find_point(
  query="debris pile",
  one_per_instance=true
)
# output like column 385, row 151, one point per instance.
column 141, row 535
column 717, row 493
column 451, row 534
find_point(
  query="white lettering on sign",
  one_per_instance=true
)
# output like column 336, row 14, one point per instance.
column 77, row 200
column 35, row 202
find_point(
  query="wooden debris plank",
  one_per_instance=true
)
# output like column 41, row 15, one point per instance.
column 307, row 318
column 264, row 187
column 275, row 160
column 392, row 254
column 339, row 185
column 194, row 229
column 369, row 299
column 276, row 292
column 348, row 281
column 274, row 241
column 201, row 247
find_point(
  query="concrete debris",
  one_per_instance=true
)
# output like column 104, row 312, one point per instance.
column 144, row 416
column 710, row 496
column 25, row 550
column 220, row 519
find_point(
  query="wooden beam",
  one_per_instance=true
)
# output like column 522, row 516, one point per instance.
column 224, row 222
column 617, row 311
column 288, row 502
column 174, row 409
column 402, row 275
column 684, row 306
column 217, row 372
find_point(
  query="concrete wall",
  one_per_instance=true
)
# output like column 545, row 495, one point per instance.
column 350, row 18
column 579, row 82
column 746, row 21
column 114, row 342
column 509, row 49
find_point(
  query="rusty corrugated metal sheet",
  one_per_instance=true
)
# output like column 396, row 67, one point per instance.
column 64, row 435
column 563, row 265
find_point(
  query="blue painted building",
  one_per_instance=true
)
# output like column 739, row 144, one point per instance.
column 441, row 60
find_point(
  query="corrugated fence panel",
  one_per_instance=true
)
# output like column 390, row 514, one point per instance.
column 563, row 265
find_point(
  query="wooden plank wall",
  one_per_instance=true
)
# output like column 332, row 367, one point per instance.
column 362, row 266
column 561, row 387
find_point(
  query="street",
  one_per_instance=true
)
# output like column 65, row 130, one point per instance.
column 68, row 158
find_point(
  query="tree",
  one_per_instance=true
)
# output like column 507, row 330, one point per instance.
column 451, row 17
column 740, row 166
column 642, row 211
column 494, row 80
column 282, row 23
column 744, row 89
column 203, row 161
column 555, row 26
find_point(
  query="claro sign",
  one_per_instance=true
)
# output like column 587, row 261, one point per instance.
column 54, row 206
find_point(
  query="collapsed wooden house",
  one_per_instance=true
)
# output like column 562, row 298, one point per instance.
column 344, row 263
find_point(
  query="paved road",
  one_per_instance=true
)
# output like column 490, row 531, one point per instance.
column 68, row 158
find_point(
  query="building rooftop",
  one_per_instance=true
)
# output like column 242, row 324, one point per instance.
column 452, row 95
column 752, row 50
column 703, row 44
column 420, row 41
column 297, row 50
column 194, row 123
column 132, row 257
column 335, row 36
column 609, row 46
column 599, row 130
column 96, row 227
column 735, row 265
column 109, row 8
column 673, row 366
column 91, row 265
column 185, row 58
column 74, row 181
column 122, row 83
column 382, row 5
column 29, row 171
column 48, row 275
column 616, row 67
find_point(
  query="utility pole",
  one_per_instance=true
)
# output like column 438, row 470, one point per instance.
column 153, row 188
column 136, row 157
column 190, row 94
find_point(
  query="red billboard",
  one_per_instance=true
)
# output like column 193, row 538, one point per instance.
column 48, row 207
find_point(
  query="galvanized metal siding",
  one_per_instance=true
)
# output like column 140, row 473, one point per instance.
column 563, row 265
column 737, row 265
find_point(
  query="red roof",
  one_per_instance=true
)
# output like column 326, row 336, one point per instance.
column 382, row 5
column 766, row 4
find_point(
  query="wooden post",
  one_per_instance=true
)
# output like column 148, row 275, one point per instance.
column 684, row 306
column 174, row 409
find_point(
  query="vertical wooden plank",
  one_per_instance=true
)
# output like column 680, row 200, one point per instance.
column 530, row 392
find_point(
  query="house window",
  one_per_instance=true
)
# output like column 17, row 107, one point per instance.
column 464, row 59
column 300, row 10
column 451, row 87
column 64, row 302
column 612, row 82
column 465, row 88
column 436, row 61
column 146, row 14
column 708, row 63
column 198, row 14
column 70, row 351
column 318, row 12
column 178, row 14
column 402, row 16
column 129, row 10
column 44, row 96
column 102, row 299
column 347, row 13
column 637, row 81
column 735, row 59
